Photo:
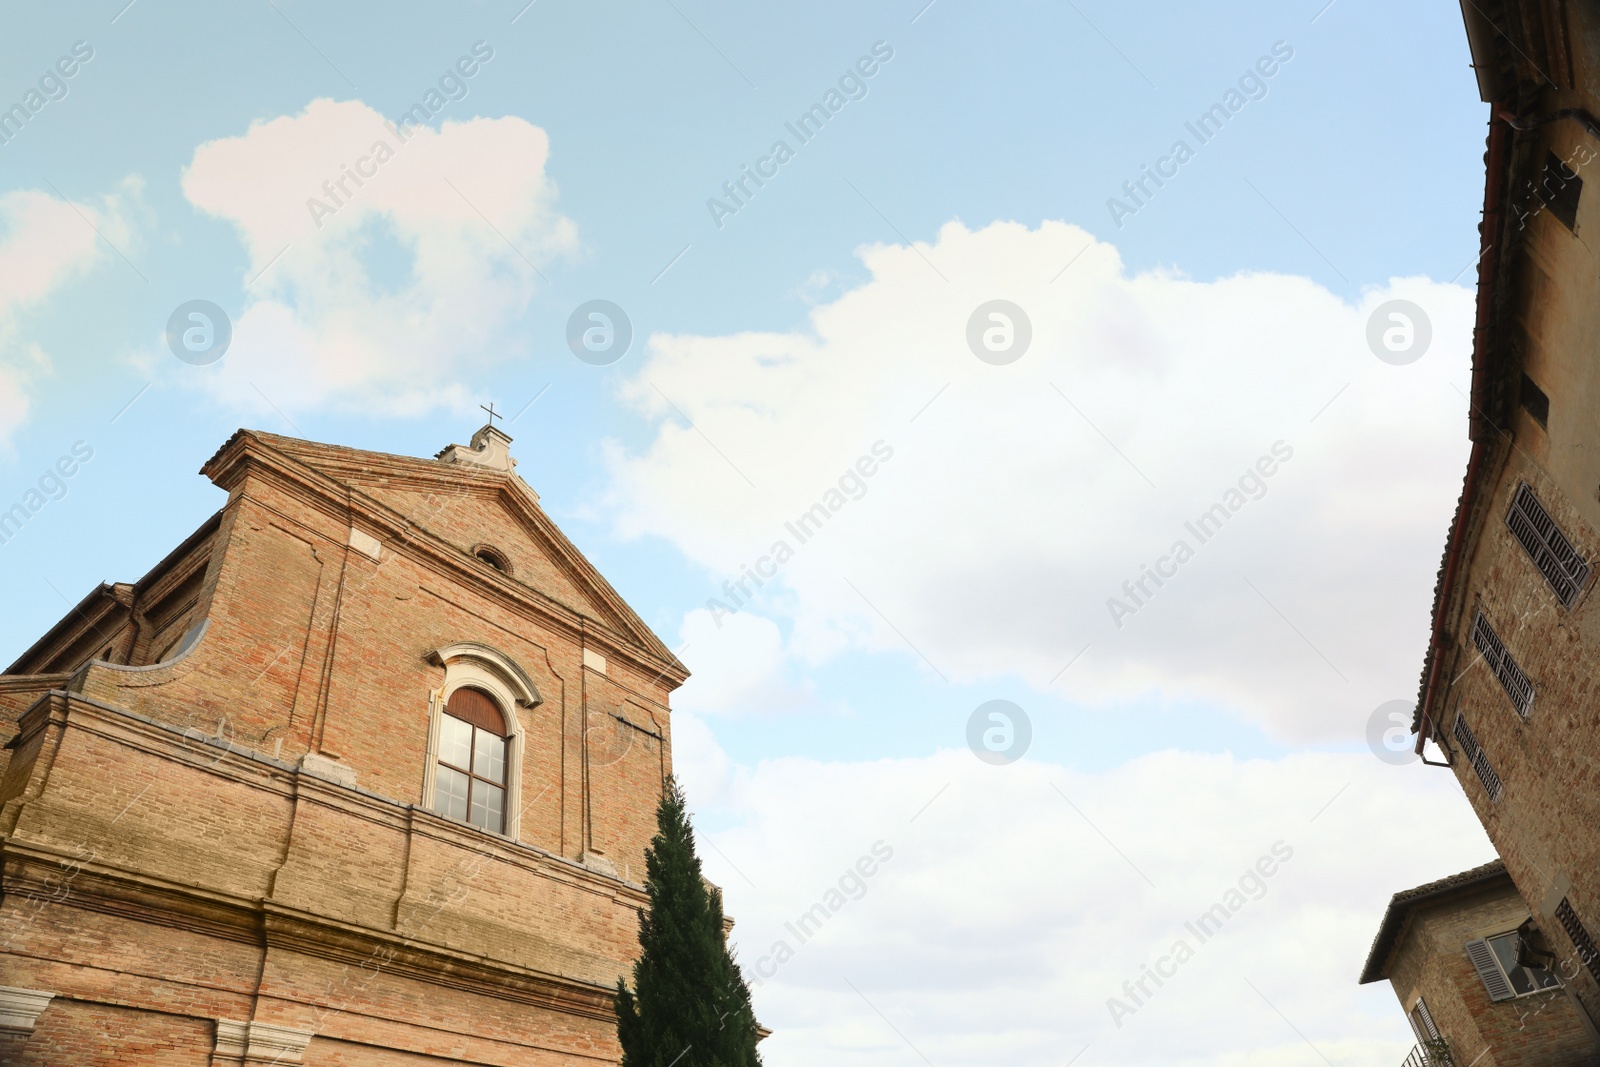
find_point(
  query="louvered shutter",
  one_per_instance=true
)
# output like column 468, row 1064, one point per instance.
column 1477, row 760
column 1510, row 676
column 1580, row 937
column 1482, row 957
column 1422, row 1023
column 1562, row 566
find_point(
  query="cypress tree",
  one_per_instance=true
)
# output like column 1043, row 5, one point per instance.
column 688, row 1005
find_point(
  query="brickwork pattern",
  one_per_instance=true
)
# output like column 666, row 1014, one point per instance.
column 1538, row 1030
column 167, row 863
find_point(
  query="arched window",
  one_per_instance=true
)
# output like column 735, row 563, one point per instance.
column 493, row 557
column 473, row 772
column 470, row 779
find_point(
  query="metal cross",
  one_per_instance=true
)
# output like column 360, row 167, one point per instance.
column 493, row 414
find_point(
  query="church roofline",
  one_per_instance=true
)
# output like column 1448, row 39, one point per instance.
column 320, row 470
column 123, row 593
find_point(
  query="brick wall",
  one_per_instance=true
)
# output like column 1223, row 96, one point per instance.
column 1540, row 323
column 1539, row 1030
column 157, row 881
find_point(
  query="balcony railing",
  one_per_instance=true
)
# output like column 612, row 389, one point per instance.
column 1431, row 1054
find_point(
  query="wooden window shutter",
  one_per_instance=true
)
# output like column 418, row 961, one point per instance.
column 1422, row 1023
column 1482, row 957
column 478, row 708
column 1580, row 937
column 1561, row 564
column 1476, row 758
column 1506, row 672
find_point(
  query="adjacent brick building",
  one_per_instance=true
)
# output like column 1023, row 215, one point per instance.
column 1508, row 689
column 362, row 773
column 1449, row 950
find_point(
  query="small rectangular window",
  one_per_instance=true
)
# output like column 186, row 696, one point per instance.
column 1535, row 402
column 1506, row 671
column 1478, row 761
column 1560, row 188
column 1562, row 566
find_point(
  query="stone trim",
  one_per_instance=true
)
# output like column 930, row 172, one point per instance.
column 329, row 770
column 510, row 672
column 365, row 544
column 259, row 1042
column 21, row 1008
column 472, row 663
column 155, row 739
column 490, row 447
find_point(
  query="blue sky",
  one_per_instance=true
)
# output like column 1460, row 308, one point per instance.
column 1218, row 319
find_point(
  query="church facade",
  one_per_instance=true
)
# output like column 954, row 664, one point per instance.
column 362, row 773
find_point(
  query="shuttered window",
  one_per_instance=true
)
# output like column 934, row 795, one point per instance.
column 1482, row 957
column 1580, row 937
column 1524, row 980
column 1504, row 668
column 1422, row 1023
column 1561, row 564
column 1476, row 758
column 1495, row 960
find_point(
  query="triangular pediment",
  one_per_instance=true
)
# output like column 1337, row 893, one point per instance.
column 478, row 512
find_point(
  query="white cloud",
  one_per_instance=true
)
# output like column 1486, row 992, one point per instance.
column 740, row 667
column 1004, row 921
column 389, row 294
column 45, row 243
column 1016, row 503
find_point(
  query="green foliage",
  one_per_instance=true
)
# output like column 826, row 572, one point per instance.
column 1439, row 1054
column 688, row 1005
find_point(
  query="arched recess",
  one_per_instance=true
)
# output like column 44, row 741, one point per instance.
column 480, row 666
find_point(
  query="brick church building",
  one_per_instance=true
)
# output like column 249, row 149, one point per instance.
column 362, row 773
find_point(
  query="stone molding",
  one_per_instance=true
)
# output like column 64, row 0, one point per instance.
column 260, row 1042
column 21, row 1008
column 329, row 770
column 509, row 670
column 490, row 448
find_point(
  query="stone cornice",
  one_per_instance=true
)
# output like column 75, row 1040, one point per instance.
column 258, row 770
column 381, row 951
column 46, row 870
column 36, row 873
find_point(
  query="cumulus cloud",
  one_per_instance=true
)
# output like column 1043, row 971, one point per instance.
column 1020, row 498
column 741, row 667
column 45, row 243
column 1016, row 901
column 387, row 289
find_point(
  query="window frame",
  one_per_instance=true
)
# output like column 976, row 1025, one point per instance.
column 502, row 679
column 1499, row 964
column 1423, row 1023
column 491, row 556
column 470, row 771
